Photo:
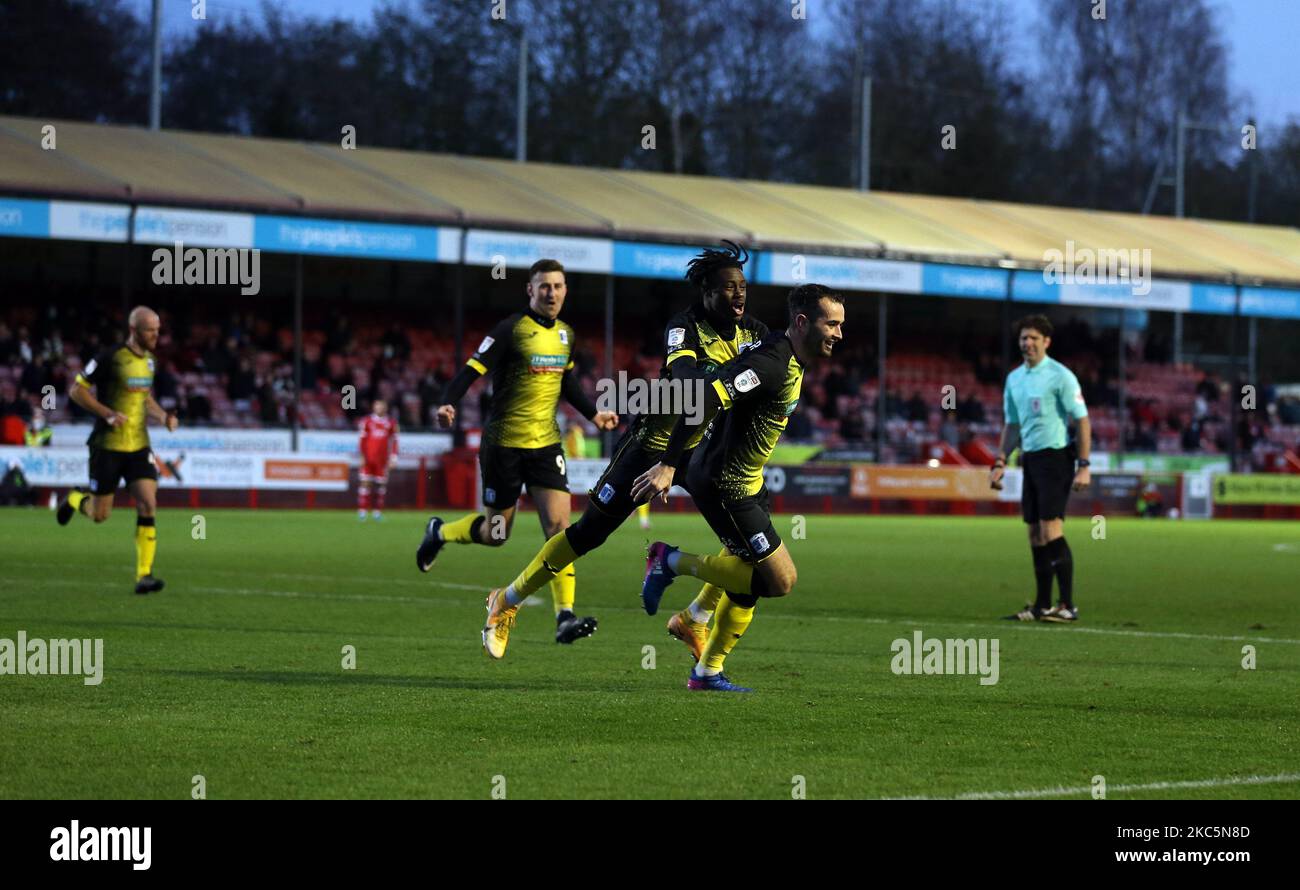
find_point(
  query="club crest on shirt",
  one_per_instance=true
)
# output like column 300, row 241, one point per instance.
column 564, row 336
column 1036, row 405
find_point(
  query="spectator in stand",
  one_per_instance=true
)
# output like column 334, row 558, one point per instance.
column 1288, row 410
column 396, row 344
column 852, row 427
column 242, row 385
column 35, row 376
column 23, row 348
column 39, row 434
column 799, row 428
column 165, row 385
column 339, row 340
column 1140, row 438
column 1191, row 435
column 218, row 359
column 970, row 410
column 949, row 432
column 8, row 345
column 917, row 409
column 430, row 391
column 11, row 405
column 268, row 409
column 198, row 408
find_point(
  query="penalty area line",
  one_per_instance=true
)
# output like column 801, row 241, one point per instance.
column 1061, row 791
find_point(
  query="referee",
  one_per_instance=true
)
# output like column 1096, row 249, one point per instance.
column 1040, row 398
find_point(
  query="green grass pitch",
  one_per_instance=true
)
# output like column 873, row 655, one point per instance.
column 235, row 673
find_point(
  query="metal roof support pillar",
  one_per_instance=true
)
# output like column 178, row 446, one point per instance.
column 882, row 403
column 297, row 349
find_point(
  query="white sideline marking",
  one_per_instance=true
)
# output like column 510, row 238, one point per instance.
column 1280, row 778
column 769, row 616
column 250, row 591
column 1286, row 548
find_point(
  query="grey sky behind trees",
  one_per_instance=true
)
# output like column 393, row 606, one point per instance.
column 1261, row 36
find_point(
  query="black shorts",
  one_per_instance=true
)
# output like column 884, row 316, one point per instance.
column 107, row 468
column 612, row 493
column 743, row 525
column 1048, row 476
column 507, row 470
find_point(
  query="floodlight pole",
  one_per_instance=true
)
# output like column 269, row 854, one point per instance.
column 1181, row 164
column 459, row 321
column 155, row 80
column 882, row 407
column 1122, row 391
column 297, row 350
column 607, row 444
column 864, row 144
column 521, row 103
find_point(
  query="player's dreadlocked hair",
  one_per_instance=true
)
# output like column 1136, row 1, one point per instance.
column 699, row 271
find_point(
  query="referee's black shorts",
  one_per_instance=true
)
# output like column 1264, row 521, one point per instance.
column 1048, row 476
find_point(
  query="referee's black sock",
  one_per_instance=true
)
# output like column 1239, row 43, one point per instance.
column 1063, row 564
column 1043, row 575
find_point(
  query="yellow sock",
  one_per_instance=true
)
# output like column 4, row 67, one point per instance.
column 729, row 625
column 728, row 572
column 701, row 608
column 643, row 511
column 556, row 554
column 146, row 542
column 562, row 586
column 705, row 602
column 462, row 530
column 75, row 498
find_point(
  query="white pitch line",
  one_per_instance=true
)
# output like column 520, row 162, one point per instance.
column 1280, row 778
column 768, row 616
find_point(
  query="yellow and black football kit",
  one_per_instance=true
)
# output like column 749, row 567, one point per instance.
column 122, row 380
column 530, row 360
column 756, row 393
column 695, row 345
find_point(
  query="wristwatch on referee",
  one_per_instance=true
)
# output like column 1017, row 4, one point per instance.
column 1083, row 462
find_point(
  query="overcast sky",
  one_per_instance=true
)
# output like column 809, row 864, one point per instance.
column 1261, row 37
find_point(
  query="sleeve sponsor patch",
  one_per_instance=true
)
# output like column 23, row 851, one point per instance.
column 746, row 380
column 676, row 337
column 485, row 345
column 89, row 370
column 1078, row 397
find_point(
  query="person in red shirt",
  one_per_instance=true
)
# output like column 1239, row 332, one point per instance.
column 378, row 453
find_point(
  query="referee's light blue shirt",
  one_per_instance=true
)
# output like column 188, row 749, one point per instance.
column 1040, row 399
